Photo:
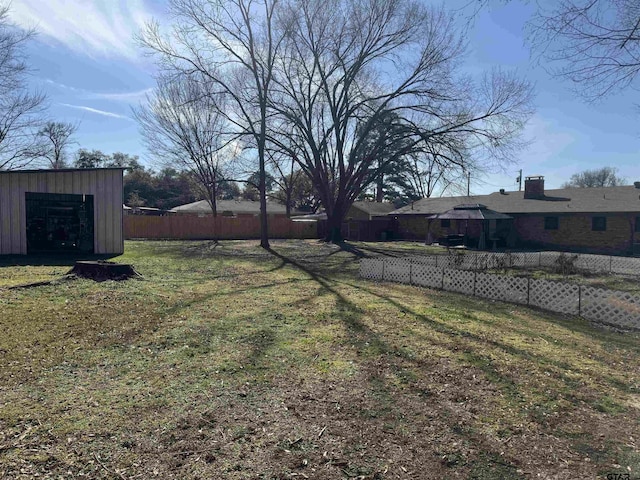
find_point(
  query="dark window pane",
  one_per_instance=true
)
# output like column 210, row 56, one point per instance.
column 445, row 223
column 599, row 224
column 551, row 223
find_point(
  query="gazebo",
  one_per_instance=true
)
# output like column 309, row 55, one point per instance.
column 479, row 219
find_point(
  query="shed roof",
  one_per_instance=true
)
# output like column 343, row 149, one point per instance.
column 60, row 170
column 564, row 200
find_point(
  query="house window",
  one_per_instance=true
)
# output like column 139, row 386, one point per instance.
column 551, row 223
column 599, row 224
column 445, row 223
column 637, row 224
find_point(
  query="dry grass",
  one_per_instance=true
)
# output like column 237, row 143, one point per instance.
column 228, row 361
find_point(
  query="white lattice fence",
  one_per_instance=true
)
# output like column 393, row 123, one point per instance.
column 610, row 306
column 397, row 270
column 595, row 304
column 554, row 296
column 593, row 263
column 453, row 260
column 431, row 260
column 461, row 281
column 548, row 259
column 426, row 275
column 502, row 287
column 530, row 259
column 372, row 268
column 468, row 262
column 626, row 265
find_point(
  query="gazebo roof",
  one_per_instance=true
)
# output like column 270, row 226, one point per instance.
column 470, row 211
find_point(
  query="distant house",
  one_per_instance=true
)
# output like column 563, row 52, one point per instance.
column 369, row 210
column 229, row 208
column 156, row 212
column 605, row 220
column 368, row 221
column 358, row 211
column 70, row 210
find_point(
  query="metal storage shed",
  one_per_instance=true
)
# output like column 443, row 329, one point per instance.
column 69, row 210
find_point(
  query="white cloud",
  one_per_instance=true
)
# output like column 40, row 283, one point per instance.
column 126, row 97
column 97, row 28
column 96, row 111
column 129, row 97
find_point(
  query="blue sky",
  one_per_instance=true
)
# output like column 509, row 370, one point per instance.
column 87, row 62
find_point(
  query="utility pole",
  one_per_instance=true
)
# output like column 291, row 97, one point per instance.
column 519, row 180
column 468, row 182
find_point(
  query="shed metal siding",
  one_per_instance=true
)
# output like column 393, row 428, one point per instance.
column 105, row 185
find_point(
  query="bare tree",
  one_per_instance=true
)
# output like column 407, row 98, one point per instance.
column 183, row 126
column 593, row 43
column 57, row 138
column 20, row 109
column 601, row 177
column 347, row 64
column 233, row 45
column 433, row 172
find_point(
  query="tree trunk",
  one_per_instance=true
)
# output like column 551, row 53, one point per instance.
column 334, row 231
column 288, row 202
column 212, row 192
column 334, row 224
column 264, row 224
column 379, row 189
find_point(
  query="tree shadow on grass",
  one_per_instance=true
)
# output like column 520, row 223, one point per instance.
column 459, row 337
column 380, row 382
column 367, row 251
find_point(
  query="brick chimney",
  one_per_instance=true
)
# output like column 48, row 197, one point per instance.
column 534, row 186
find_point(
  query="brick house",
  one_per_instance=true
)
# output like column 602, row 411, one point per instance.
column 599, row 220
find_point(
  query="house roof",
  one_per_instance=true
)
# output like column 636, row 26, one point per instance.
column 474, row 211
column 235, row 206
column 374, row 208
column 564, row 200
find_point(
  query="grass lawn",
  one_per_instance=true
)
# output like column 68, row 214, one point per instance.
column 227, row 361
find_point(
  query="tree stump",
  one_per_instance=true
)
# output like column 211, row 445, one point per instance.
column 103, row 270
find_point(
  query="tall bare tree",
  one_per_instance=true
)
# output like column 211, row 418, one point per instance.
column 347, row 64
column 593, row 43
column 233, row 45
column 183, row 126
column 56, row 138
column 20, row 110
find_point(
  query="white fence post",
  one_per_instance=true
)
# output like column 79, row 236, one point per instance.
column 411, row 271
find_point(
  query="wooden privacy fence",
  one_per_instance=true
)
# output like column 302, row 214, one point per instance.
column 183, row 227
column 612, row 307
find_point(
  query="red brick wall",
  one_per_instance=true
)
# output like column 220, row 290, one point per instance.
column 574, row 232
